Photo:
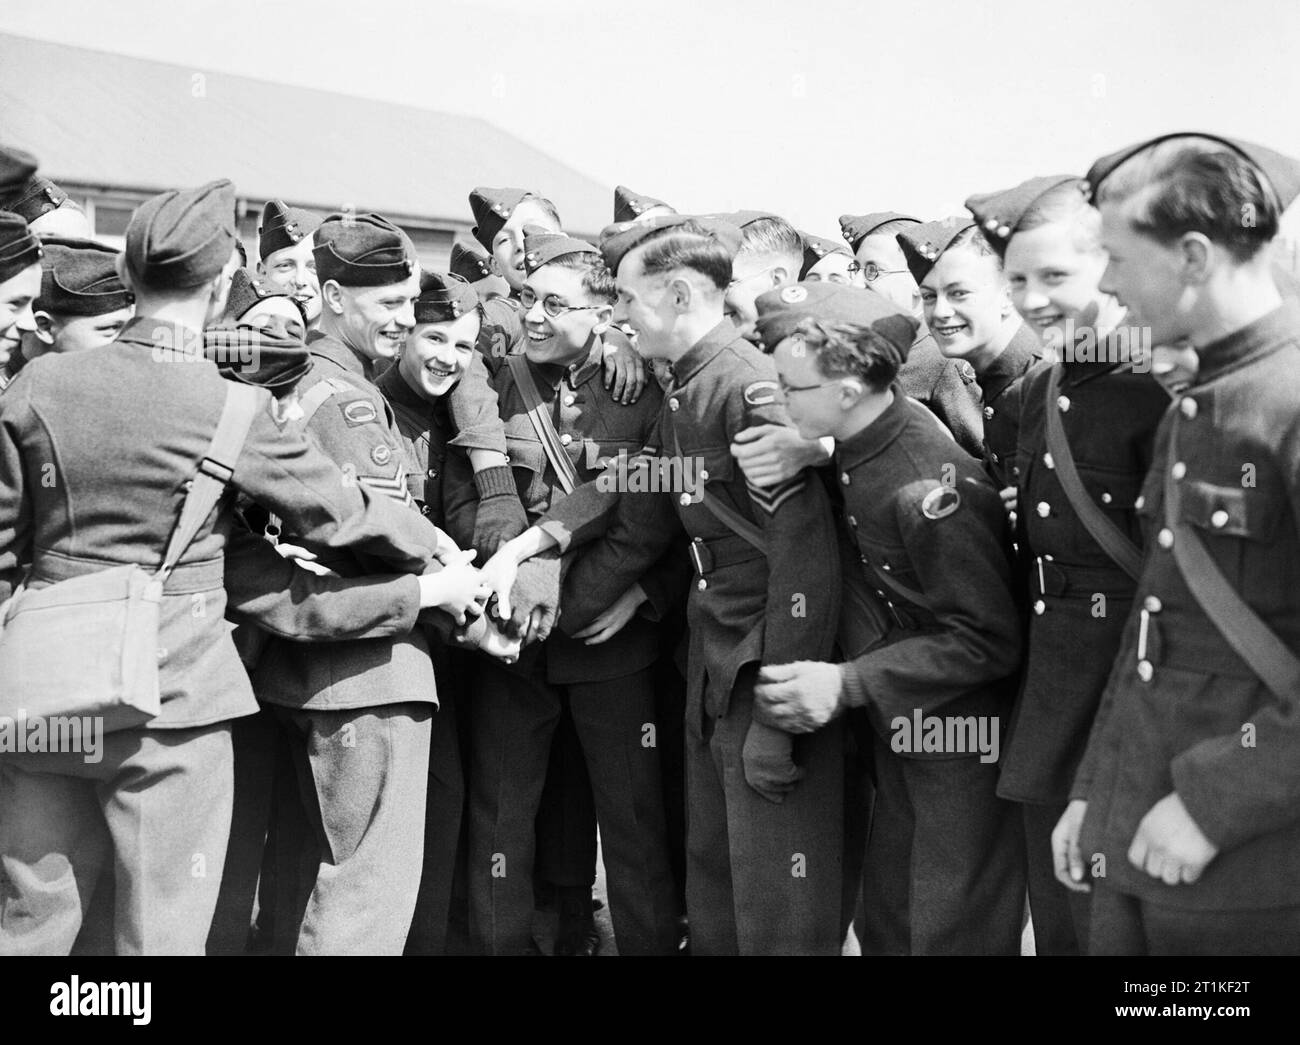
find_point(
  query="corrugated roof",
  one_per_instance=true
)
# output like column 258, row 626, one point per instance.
column 112, row 120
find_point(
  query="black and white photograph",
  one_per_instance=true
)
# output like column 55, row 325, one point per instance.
column 650, row 479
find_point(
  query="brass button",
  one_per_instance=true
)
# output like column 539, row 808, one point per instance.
column 1178, row 470
column 1140, row 502
column 684, row 500
column 1044, row 509
column 569, row 400
column 1219, row 519
column 1145, row 671
column 704, row 475
column 432, row 473
column 1047, row 460
column 853, row 521
column 1188, row 407
column 1152, row 605
column 1106, row 498
column 1064, row 403
column 885, row 566
column 988, row 412
column 1040, row 607
column 1165, row 538
column 844, row 478
column 702, row 584
column 673, row 404
column 566, row 439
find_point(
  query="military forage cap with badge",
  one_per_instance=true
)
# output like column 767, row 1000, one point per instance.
column 362, row 250
column 619, row 239
column 925, row 243
column 492, row 209
column 629, row 206
column 541, row 247
column 79, row 278
column 815, row 248
column 22, row 190
column 19, row 248
column 283, row 226
column 182, row 239
column 781, row 311
column 857, row 227
column 444, row 297
column 477, row 269
column 998, row 214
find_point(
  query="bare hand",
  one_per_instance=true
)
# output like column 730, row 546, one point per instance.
column 614, row 618
column 1067, row 862
column 771, row 454
column 798, row 697
column 1169, row 845
column 458, row 589
column 499, row 575
column 302, row 557
column 624, row 369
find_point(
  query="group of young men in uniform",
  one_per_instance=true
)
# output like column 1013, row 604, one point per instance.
column 907, row 587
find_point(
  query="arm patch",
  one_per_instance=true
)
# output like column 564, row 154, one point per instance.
column 760, row 393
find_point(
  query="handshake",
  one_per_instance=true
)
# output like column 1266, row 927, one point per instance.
column 497, row 609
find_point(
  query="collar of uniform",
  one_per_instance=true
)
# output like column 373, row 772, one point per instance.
column 1022, row 352
column 872, row 440
column 331, row 348
column 581, row 373
column 144, row 330
column 397, row 391
column 1257, row 339
column 702, row 351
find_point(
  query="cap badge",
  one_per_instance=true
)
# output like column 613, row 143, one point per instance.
column 794, row 295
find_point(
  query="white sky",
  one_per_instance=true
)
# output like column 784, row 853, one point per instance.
column 808, row 109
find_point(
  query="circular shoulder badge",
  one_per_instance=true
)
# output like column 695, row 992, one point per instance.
column 794, row 295
column 940, row 502
column 381, row 454
column 760, row 393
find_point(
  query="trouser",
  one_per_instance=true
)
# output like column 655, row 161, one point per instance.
column 363, row 775
column 157, row 805
column 514, row 717
column 566, row 814
column 444, row 809
column 763, row 877
column 1123, row 924
column 253, row 744
column 670, row 713
column 1060, row 916
column 944, row 871
column 859, row 797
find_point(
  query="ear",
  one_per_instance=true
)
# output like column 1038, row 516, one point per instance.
column 261, row 268
column 604, row 316
column 332, row 294
column 851, row 392
column 1198, row 257
column 682, row 293
column 1004, row 300
column 45, row 329
column 780, row 276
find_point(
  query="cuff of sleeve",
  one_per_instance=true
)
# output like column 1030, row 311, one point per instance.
column 408, row 609
column 558, row 532
column 853, row 690
column 495, row 482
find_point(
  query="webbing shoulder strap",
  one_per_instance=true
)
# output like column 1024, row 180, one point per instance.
column 215, row 470
column 1102, row 530
column 1253, row 640
column 542, row 424
column 724, row 513
column 315, row 397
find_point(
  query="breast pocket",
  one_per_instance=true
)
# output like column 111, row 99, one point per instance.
column 1230, row 511
column 1249, row 559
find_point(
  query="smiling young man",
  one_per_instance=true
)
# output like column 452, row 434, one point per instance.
column 967, row 306
column 285, row 242
column 83, row 302
column 563, row 429
column 1184, row 810
column 1075, row 583
column 943, row 866
column 20, row 284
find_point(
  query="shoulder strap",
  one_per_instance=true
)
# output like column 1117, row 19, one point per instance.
column 314, row 398
column 542, row 423
column 215, row 470
column 1252, row 639
column 724, row 513
column 1112, row 541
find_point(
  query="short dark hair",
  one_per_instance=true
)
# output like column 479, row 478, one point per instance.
column 851, row 350
column 688, row 245
column 596, row 278
column 1198, row 185
column 773, row 235
column 974, row 239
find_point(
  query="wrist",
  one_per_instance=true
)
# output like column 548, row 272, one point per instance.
column 853, row 694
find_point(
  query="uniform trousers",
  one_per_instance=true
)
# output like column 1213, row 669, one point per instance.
column 945, row 862
column 1123, row 924
column 514, row 717
column 763, row 877
column 1060, row 916
column 363, row 775
column 157, row 806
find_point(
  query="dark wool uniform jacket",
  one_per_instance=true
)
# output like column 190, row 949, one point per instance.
column 355, row 429
column 95, row 451
column 1000, row 387
column 923, row 512
column 594, row 429
column 748, row 607
column 1078, row 597
column 945, row 387
column 1197, row 720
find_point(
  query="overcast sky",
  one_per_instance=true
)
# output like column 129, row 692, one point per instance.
column 808, row 109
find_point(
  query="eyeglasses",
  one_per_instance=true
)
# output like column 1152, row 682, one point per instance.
column 871, row 271
column 551, row 305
